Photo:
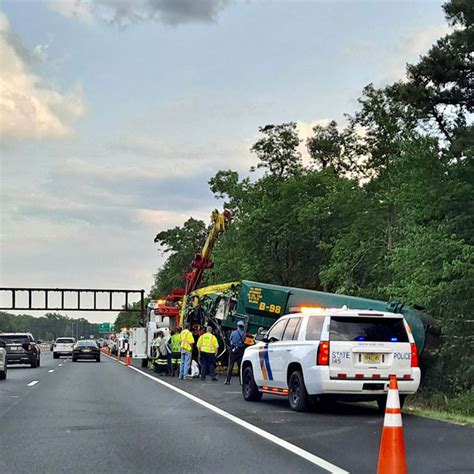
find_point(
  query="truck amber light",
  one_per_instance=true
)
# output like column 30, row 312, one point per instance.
column 323, row 353
column 414, row 355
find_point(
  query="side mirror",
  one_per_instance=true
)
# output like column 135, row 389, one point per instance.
column 3, row 344
column 273, row 339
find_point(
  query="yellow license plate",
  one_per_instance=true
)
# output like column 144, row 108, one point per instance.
column 371, row 358
column 87, row 350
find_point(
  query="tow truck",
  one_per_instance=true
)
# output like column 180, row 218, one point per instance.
column 168, row 313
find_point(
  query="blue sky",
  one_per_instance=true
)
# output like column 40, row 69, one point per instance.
column 114, row 115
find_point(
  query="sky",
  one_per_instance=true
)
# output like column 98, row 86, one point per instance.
column 114, row 114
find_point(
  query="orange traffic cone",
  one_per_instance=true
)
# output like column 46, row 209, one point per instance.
column 392, row 458
column 127, row 359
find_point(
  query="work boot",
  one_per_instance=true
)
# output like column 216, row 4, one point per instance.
column 226, row 383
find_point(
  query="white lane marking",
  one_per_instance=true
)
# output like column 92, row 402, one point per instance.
column 33, row 383
column 49, row 371
column 59, row 365
column 258, row 431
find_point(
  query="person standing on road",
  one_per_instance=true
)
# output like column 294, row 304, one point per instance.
column 175, row 352
column 186, row 342
column 208, row 346
column 237, row 348
column 163, row 350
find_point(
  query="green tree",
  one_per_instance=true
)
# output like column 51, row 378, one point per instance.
column 441, row 86
column 278, row 151
column 181, row 245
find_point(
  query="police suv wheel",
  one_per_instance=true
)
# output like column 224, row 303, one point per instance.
column 249, row 387
column 297, row 394
column 382, row 402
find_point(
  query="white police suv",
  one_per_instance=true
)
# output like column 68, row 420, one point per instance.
column 320, row 354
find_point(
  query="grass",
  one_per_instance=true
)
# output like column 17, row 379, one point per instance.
column 458, row 409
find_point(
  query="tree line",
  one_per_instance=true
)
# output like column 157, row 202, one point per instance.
column 47, row 327
column 382, row 208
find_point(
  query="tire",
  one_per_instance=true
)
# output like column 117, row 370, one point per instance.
column 144, row 363
column 55, row 356
column 297, row 395
column 98, row 360
column 3, row 374
column 34, row 363
column 249, row 387
column 39, row 361
column 74, row 359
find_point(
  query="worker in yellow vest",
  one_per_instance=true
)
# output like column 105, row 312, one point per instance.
column 175, row 351
column 186, row 341
column 208, row 346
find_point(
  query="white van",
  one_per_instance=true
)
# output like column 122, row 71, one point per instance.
column 332, row 353
column 63, row 346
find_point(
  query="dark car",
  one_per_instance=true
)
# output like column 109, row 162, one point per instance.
column 85, row 349
column 21, row 349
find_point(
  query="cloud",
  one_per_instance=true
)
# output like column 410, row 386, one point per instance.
column 392, row 60
column 420, row 41
column 28, row 109
column 169, row 160
column 74, row 9
column 124, row 13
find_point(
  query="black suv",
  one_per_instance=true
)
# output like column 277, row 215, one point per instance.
column 21, row 349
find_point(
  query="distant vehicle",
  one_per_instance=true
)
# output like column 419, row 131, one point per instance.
column 3, row 361
column 85, row 349
column 22, row 349
column 122, row 343
column 341, row 354
column 63, row 347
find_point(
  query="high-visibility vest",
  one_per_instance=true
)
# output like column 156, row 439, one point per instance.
column 175, row 345
column 208, row 343
column 185, row 340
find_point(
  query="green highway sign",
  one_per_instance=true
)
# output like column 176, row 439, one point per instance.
column 104, row 328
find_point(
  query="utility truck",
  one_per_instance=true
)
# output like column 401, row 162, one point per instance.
column 141, row 338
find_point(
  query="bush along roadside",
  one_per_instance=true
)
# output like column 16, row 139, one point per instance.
column 457, row 408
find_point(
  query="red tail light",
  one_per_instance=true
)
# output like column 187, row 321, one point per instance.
column 414, row 355
column 323, row 353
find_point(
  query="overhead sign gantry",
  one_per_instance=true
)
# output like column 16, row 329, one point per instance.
column 59, row 299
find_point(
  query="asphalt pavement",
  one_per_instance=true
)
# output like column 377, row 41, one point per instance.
column 85, row 416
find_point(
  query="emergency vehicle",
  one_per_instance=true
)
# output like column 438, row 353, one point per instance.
column 324, row 354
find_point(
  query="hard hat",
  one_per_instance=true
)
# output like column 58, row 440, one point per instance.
column 240, row 323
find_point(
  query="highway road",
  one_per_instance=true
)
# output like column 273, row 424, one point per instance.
column 107, row 417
